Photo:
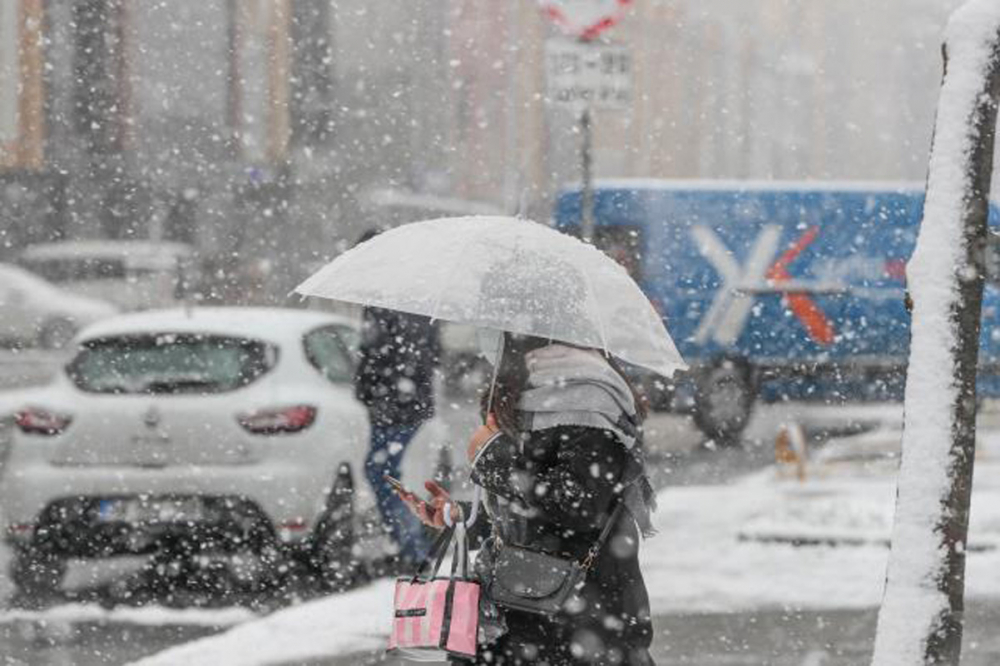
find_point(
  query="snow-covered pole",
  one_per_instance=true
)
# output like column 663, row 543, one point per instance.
column 920, row 621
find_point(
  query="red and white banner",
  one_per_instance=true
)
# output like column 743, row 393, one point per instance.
column 585, row 19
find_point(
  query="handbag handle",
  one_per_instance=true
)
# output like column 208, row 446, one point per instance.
column 453, row 540
column 435, row 556
column 477, row 496
column 473, row 512
column 460, row 552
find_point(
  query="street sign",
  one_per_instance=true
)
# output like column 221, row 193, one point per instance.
column 585, row 19
column 588, row 74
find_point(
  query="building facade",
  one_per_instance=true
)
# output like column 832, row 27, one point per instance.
column 261, row 131
column 766, row 89
column 215, row 123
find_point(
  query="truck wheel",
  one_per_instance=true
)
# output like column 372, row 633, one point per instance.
column 724, row 398
column 659, row 393
column 333, row 541
column 36, row 575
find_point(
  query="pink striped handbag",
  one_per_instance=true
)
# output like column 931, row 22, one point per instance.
column 438, row 616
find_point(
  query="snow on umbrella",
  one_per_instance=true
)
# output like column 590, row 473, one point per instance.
column 506, row 274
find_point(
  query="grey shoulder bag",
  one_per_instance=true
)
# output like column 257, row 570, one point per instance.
column 535, row 582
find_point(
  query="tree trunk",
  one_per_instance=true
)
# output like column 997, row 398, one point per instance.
column 922, row 613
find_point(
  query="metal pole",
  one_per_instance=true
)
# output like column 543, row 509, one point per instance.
column 512, row 159
column 587, row 193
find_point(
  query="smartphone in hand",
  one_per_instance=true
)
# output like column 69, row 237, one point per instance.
column 396, row 484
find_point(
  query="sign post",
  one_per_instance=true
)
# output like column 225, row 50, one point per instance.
column 584, row 74
column 587, row 189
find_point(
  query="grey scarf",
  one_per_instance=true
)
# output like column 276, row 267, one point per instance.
column 568, row 386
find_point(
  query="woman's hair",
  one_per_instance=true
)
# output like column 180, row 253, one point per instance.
column 512, row 379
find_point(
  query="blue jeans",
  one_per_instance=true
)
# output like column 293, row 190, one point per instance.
column 385, row 455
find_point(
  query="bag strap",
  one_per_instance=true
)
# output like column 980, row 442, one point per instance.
column 460, row 552
column 609, row 524
column 477, row 498
column 435, row 556
column 473, row 513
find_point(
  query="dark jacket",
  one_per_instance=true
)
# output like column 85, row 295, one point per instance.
column 395, row 375
column 559, row 492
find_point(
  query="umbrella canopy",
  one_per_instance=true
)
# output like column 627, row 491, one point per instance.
column 507, row 274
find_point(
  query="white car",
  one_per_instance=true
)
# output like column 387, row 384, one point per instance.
column 236, row 427
column 35, row 312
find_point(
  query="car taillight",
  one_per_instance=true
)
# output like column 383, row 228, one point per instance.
column 34, row 421
column 277, row 421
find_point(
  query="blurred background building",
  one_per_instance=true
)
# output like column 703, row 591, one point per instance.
column 270, row 133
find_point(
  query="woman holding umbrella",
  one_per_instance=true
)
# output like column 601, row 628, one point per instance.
column 558, row 453
column 560, row 450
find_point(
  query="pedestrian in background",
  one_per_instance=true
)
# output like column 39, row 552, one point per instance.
column 395, row 381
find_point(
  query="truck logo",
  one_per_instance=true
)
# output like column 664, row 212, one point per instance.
column 800, row 303
column 761, row 273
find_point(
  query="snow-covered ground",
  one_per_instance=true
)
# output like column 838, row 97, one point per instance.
column 153, row 616
column 336, row 625
column 719, row 548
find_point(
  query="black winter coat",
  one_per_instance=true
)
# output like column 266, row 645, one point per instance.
column 395, row 375
column 561, row 490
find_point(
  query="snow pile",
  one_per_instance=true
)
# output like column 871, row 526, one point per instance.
column 827, row 517
column 698, row 564
column 913, row 601
column 341, row 624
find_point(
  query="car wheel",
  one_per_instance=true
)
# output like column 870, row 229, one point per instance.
column 332, row 555
column 724, row 398
column 56, row 334
column 37, row 575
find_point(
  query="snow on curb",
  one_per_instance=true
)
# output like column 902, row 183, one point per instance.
column 341, row 624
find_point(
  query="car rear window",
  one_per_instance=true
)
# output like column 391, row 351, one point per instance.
column 328, row 352
column 170, row 363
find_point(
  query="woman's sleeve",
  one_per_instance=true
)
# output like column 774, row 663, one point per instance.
column 568, row 473
column 494, row 465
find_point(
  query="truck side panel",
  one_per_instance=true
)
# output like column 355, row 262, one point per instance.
column 808, row 285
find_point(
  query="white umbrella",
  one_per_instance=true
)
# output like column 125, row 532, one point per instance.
column 507, row 274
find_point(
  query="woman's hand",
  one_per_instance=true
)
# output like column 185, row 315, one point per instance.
column 431, row 513
column 482, row 435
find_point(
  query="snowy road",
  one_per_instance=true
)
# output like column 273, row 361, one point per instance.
column 86, row 634
column 774, row 638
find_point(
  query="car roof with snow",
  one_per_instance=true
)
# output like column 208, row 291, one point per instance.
column 17, row 275
column 87, row 249
column 283, row 326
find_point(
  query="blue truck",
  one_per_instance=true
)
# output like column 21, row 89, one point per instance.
column 774, row 290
